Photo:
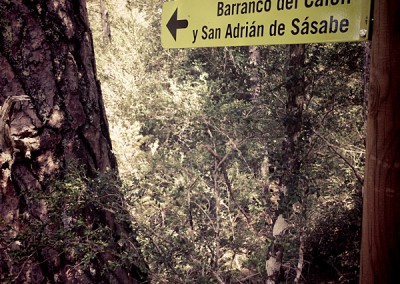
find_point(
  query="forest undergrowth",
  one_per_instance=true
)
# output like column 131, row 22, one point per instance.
column 222, row 171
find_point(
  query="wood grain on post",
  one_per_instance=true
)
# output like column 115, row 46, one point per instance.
column 380, row 250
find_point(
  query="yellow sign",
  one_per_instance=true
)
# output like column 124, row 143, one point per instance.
column 209, row 23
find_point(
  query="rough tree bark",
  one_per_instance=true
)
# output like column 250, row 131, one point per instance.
column 380, row 249
column 52, row 114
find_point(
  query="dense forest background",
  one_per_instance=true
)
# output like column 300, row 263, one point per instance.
column 235, row 161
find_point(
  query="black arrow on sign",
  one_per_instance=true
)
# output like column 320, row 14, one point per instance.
column 174, row 24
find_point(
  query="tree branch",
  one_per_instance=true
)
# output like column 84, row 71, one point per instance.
column 334, row 149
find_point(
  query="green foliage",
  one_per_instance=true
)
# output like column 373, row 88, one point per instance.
column 199, row 145
column 77, row 230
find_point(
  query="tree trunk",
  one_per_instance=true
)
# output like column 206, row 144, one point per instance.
column 255, row 86
column 380, row 249
column 295, row 87
column 274, row 264
column 52, row 115
column 291, row 164
column 105, row 24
